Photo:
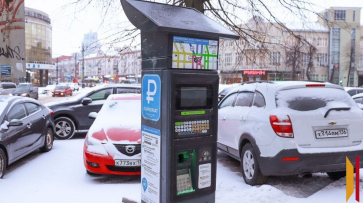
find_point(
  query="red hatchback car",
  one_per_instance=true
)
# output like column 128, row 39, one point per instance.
column 62, row 90
column 113, row 143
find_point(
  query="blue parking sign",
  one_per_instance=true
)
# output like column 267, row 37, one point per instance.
column 151, row 93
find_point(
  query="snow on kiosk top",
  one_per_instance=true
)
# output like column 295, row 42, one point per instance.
column 151, row 16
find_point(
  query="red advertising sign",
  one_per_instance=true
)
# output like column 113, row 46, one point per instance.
column 254, row 72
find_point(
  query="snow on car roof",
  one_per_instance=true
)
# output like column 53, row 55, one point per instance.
column 119, row 120
column 357, row 95
column 280, row 85
column 124, row 97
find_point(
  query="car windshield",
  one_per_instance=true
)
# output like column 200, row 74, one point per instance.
column 309, row 99
column 22, row 88
column 60, row 87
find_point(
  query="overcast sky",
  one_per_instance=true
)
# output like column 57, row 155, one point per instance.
column 70, row 25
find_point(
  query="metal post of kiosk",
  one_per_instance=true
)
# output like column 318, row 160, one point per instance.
column 179, row 49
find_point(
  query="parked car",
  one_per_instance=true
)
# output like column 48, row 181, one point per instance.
column 113, row 143
column 128, row 81
column 73, row 112
column 353, row 90
column 287, row 128
column 26, row 90
column 73, row 86
column 7, row 88
column 224, row 90
column 62, row 90
column 48, row 89
column 27, row 125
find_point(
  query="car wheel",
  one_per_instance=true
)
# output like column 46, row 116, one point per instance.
column 336, row 175
column 71, row 94
column 64, row 128
column 65, row 94
column 2, row 163
column 48, row 142
column 92, row 174
column 250, row 169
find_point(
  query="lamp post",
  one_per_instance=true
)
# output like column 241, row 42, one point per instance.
column 83, row 66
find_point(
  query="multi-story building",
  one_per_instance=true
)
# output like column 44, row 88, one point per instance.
column 66, row 67
column 91, row 43
column 112, row 66
column 38, row 41
column 310, row 52
column 344, row 44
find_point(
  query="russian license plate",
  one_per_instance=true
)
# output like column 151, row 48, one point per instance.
column 127, row 162
column 56, row 93
column 320, row 134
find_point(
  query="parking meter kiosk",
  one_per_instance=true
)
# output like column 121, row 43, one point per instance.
column 179, row 49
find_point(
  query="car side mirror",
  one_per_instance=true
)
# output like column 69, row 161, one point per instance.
column 86, row 101
column 30, row 90
column 5, row 125
column 92, row 115
column 15, row 122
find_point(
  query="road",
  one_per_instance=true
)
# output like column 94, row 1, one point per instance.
column 45, row 98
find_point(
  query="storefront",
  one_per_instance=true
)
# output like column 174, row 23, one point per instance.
column 38, row 74
column 254, row 75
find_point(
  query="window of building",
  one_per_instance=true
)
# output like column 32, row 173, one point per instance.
column 314, row 77
column 275, row 58
column 239, row 58
column 353, row 15
column 228, row 59
column 322, row 59
column 322, row 42
column 361, row 61
column 339, row 15
column 323, row 78
column 306, row 59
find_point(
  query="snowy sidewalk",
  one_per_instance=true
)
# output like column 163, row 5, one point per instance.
column 60, row 177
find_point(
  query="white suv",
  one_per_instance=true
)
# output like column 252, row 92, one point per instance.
column 286, row 128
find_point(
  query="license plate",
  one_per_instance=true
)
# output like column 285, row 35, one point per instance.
column 56, row 93
column 127, row 162
column 320, row 134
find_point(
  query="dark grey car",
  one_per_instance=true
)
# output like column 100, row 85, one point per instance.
column 26, row 126
column 26, row 90
column 71, row 115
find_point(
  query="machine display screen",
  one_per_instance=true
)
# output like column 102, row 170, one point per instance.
column 193, row 97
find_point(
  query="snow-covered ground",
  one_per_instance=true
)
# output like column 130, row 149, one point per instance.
column 60, row 177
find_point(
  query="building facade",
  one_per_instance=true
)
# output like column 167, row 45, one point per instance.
column 91, row 43
column 314, row 51
column 113, row 66
column 38, row 46
column 12, row 41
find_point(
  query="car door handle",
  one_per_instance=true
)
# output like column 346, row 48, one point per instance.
column 29, row 125
column 44, row 116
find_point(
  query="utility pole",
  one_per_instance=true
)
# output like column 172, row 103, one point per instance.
column 83, row 66
column 75, row 65
column 57, row 72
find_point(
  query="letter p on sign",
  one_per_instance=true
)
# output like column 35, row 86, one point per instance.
column 149, row 93
column 151, row 97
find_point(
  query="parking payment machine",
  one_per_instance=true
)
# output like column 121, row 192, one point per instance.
column 179, row 48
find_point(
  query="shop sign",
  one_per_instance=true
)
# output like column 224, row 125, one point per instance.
column 254, row 72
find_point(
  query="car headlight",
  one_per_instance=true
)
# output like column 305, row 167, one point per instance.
column 10, row 94
column 88, row 141
column 23, row 95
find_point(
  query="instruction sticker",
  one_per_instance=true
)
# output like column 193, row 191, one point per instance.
column 205, row 173
column 150, row 165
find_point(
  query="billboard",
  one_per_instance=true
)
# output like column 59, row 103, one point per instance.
column 12, row 38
